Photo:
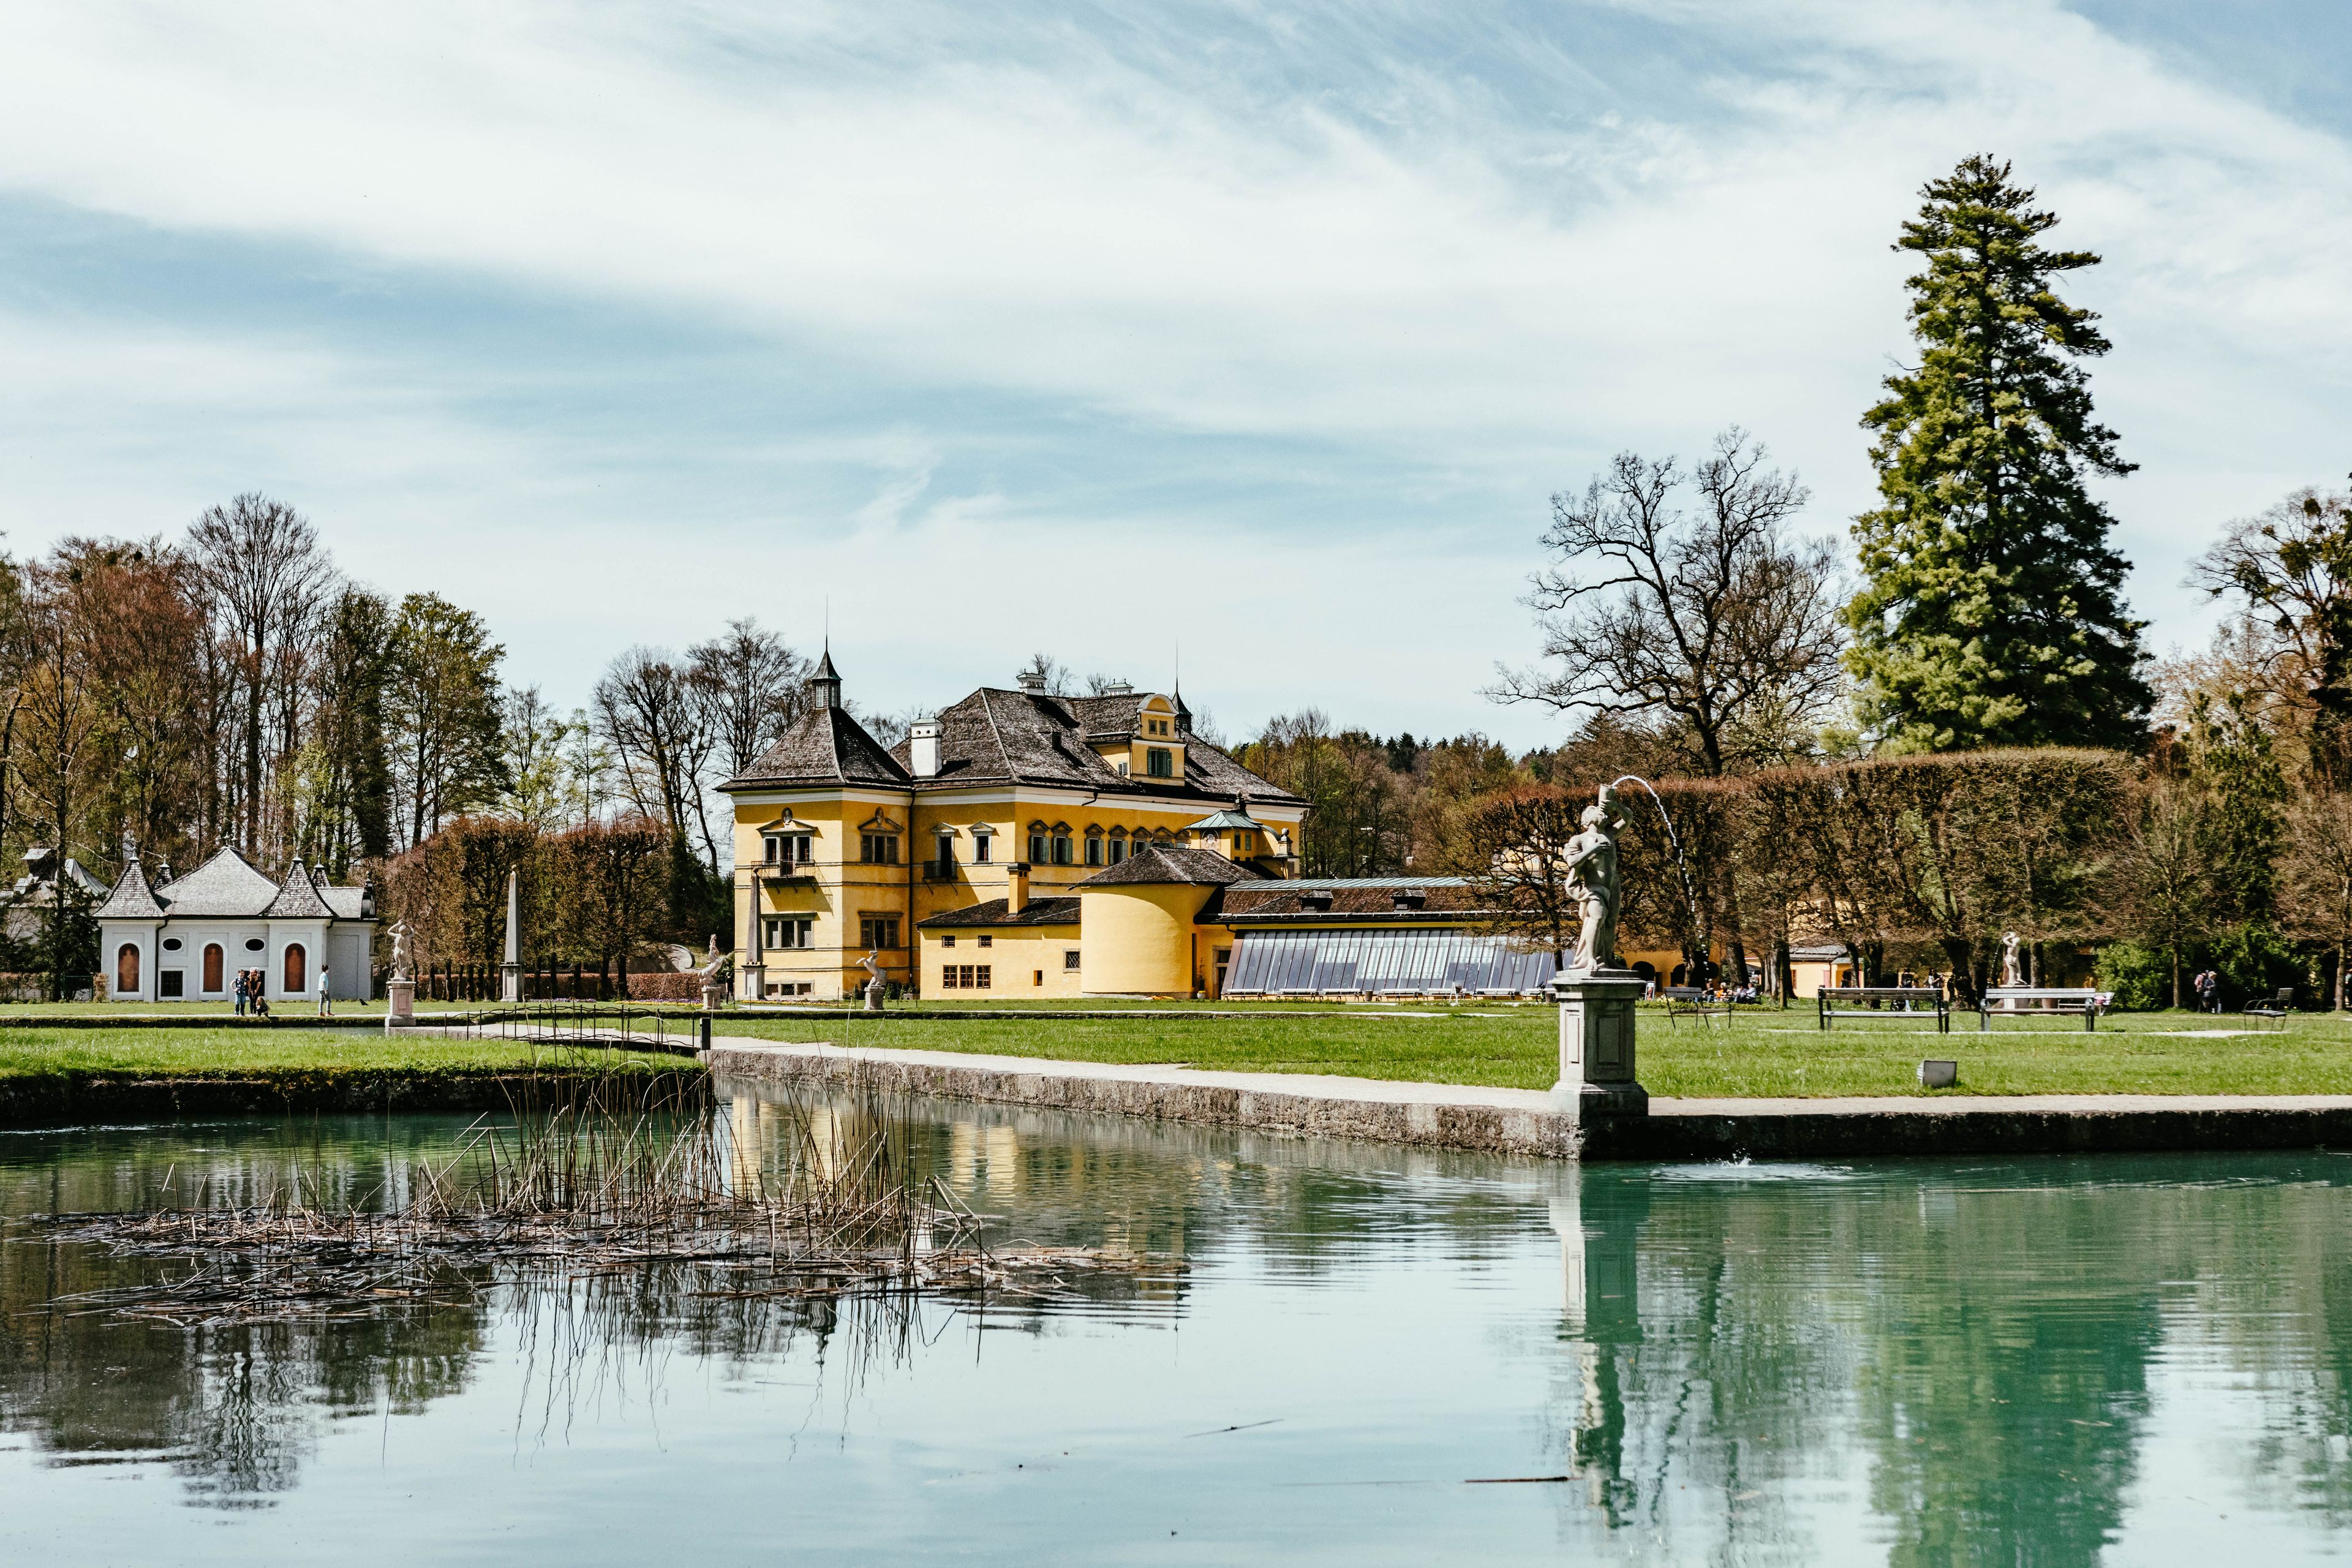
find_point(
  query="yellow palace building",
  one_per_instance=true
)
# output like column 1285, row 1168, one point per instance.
column 1020, row 845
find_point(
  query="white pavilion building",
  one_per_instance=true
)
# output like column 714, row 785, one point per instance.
column 183, row 940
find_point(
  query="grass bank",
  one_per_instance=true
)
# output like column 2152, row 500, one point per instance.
column 1760, row 1051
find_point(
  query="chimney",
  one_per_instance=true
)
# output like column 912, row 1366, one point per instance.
column 1032, row 683
column 1016, row 887
column 1316, row 900
column 923, row 747
column 1409, row 897
column 1118, row 689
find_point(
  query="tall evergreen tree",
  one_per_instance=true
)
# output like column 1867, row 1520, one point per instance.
column 1991, row 613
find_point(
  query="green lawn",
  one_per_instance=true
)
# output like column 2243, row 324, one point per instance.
column 218, row 1053
column 1764, row 1051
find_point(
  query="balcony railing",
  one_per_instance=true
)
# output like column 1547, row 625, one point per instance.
column 938, row 870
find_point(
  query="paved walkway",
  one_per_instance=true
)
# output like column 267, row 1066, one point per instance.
column 1523, row 1121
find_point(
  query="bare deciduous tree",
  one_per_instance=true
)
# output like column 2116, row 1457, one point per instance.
column 2315, row 895
column 645, row 706
column 265, row 577
column 1711, row 623
column 749, row 682
column 1518, row 840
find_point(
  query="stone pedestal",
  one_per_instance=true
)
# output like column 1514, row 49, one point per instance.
column 399, row 1004
column 753, row 985
column 510, row 982
column 1596, row 1045
column 714, row 994
column 874, row 996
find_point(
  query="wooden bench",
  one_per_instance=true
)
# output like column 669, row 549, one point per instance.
column 2041, row 1001
column 1692, row 1002
column 2272, row 1011
column 1877, row 1001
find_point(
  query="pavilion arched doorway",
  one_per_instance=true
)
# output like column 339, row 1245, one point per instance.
column 297, row 969
column 212, row 963
column 126, row 970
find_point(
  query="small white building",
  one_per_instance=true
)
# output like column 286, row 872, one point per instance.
column 185, row 939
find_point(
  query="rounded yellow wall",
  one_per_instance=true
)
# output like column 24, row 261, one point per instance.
column 1138, row 938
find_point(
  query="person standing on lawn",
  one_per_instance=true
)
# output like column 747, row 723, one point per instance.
column 326, row 995
column 240, row 992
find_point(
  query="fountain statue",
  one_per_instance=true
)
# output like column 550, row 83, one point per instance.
column 1593, row 877
column 1596, row 993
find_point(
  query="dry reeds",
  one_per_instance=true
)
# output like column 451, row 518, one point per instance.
column 621, row 1176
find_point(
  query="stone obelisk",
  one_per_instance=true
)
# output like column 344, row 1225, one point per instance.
column 510, row 973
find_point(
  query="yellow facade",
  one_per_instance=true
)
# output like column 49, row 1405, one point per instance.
column 1020, row 962
column 1143, row 939
column 831, row 870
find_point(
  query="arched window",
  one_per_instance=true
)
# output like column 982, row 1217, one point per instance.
column 297, row 969
column 213, row 961
column 126, row 970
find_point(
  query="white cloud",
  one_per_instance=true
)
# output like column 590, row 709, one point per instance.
column 1317, row 229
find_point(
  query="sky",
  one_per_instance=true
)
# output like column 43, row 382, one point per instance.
column 1244, row 339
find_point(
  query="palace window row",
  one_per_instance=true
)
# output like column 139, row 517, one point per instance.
column 784, row 931
column 789, row 848
column 878, row 931
column 982, row 940
column 965, row 977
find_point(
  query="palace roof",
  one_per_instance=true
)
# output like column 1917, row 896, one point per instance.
column 1165, row 864
column 826, row 746
column 995, row 736
column 1036, row 912
column 230, row 886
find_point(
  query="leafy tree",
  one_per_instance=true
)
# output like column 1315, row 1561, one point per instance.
column 442, row 709
column 1991, row 611
column 348, row 783
column 2234, row 761
column 2291, row 568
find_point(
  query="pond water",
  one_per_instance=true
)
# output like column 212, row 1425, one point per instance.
column 1337, row 1352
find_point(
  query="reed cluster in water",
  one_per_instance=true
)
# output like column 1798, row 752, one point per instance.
column 613, row 1174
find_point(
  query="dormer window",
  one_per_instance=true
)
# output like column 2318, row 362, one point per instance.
column 1159, row 762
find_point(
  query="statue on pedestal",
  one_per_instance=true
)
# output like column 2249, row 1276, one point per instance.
column 2013, row 972
column 403, row 964
column 874, row 986
column 1593, row 878
column 1596, row 993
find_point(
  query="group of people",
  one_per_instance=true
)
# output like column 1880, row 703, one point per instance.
column 2207, row 986
column 252, row 992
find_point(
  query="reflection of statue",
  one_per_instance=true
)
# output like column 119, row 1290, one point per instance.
column 1593, row 881
column 2012, row 973
column 403, row 964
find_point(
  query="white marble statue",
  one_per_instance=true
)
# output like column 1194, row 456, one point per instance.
column 1592, row 879
column 402, row 961
column 2012, row 969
